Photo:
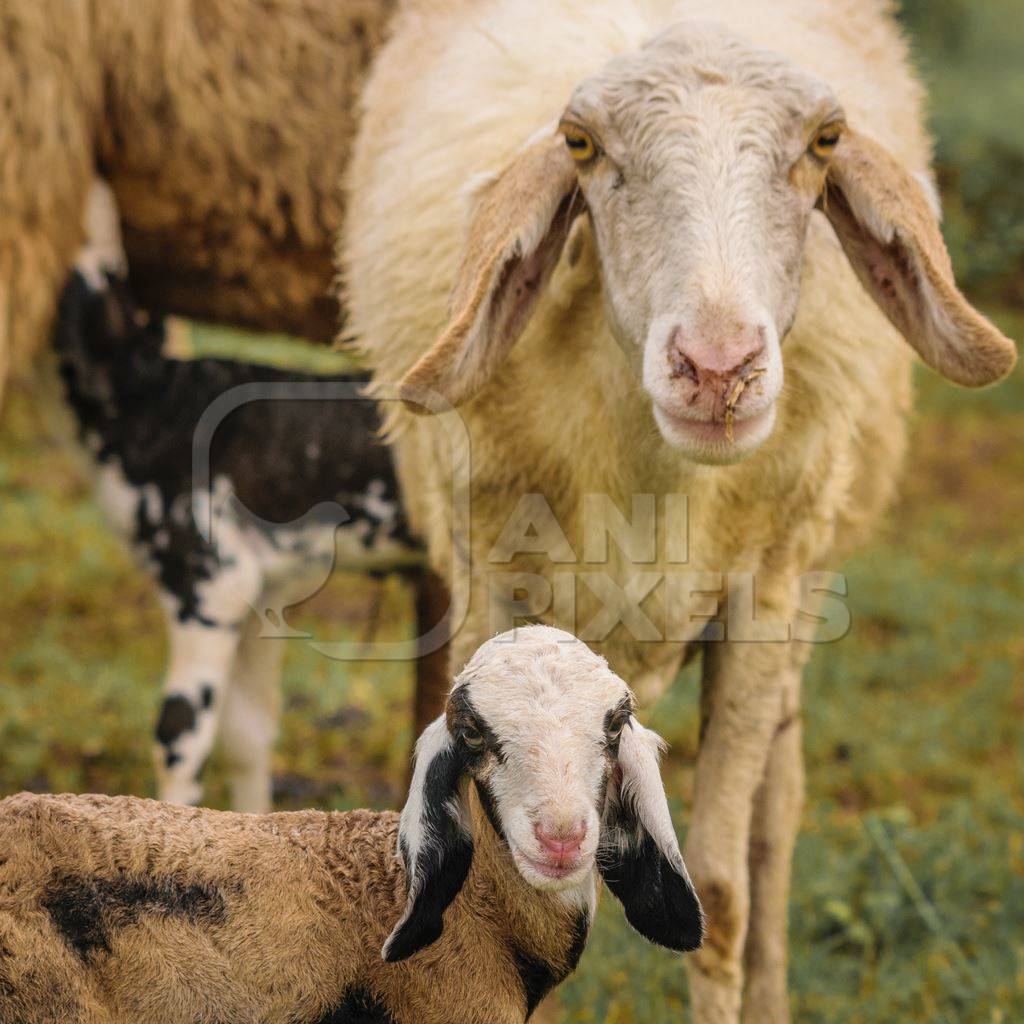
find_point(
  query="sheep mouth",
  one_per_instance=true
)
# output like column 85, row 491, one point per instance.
column 717, row 440
column 550, row 870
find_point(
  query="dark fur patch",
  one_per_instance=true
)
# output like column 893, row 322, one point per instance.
column 358, row 1007
column 616, row 716
column 581, row 930
column 177, row 716
column 462, row 714
column 85, row 909
column 206, row 695
column 660, row 903
column 142, row 409
column 539, row 977
column 443, row 861
column 490, row 806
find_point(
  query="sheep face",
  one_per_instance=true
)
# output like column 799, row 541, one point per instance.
column 701, row 160
column 544, row 732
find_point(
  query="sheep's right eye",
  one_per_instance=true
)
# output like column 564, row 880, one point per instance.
column 582, row 147
column 473, row 739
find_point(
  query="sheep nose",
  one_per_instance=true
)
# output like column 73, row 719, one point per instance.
column 561, row 843
column 716, row 364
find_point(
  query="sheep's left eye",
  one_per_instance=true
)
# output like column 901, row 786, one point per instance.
column 826, row 140
column 473, row 739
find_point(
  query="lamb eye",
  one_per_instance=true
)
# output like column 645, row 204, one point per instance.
column 615, row 730
column 473, row 739
column 581, row 145
column 826, row 140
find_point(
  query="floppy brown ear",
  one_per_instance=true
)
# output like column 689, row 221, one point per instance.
column 891, row 237
column 518, row 227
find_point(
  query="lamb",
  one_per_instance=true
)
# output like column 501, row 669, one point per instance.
column 297, row 481
column 465, row 910
column 660, row 255
column 223, row 127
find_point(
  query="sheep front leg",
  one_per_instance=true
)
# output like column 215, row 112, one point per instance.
column 740, row 702
column 201, row 659
column 252, row 714
column 774, row 828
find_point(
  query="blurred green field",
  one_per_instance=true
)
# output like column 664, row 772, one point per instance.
column 908, row 901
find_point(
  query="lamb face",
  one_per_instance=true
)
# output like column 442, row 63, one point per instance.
column 566, row 777
column 541, row 720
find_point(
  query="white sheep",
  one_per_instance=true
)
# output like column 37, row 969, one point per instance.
column 691, row 247
column 537, row 779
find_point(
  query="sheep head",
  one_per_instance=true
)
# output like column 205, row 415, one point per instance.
column 700, row 162
column 565, row 775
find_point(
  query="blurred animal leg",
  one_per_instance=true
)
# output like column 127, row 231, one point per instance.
column 741, row 700
column 251, row 717
column 433, row 679
column 773, row 831
column 206, row 621
column 201, row 659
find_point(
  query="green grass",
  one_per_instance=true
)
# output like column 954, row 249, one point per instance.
column 908, row 901
column 969, row 56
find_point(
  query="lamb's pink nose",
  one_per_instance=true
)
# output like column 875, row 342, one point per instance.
column 561, row 844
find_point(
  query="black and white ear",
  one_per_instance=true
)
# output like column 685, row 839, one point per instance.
column 434, row 839
column 639, row 857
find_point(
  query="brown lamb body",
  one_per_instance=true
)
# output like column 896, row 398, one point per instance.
column 224, row 128
column 121, row 909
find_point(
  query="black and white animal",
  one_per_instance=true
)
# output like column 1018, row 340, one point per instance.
column 238, row 488
column 537, row 782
